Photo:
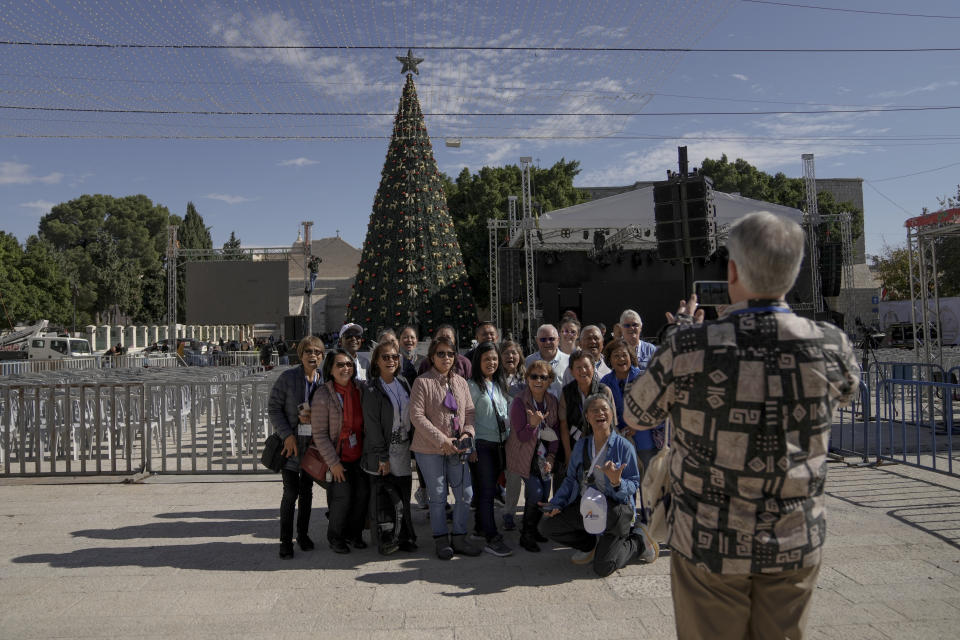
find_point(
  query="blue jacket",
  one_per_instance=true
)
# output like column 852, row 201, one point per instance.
column 642, row 439
column 619, row 451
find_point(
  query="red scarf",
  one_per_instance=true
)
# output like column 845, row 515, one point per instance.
column 352, row 422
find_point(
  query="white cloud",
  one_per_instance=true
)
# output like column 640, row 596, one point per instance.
column 739, row 76
column 298, row 162
column 40, row 207
column 229, row 199
column 933, row 86
column 16, row 173
column 76, row 181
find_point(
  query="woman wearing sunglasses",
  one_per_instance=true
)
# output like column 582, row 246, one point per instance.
column 289, row 411
column 441, row 412
column 386, row 448
column 532, row 446
column 337, row 419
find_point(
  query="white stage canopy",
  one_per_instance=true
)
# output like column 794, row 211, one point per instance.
column 627, row 219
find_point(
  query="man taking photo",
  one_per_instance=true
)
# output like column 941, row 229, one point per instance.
column 751, row 398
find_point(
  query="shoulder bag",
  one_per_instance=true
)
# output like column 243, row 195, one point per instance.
column 655, row 490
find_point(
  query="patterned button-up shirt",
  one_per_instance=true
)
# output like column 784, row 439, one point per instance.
column 751, row 399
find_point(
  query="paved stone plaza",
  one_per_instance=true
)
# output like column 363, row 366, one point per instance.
column 196, row 556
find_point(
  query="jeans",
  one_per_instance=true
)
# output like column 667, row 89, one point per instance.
column 297, row 485
column 614, row 547
column 535, row 489
column 439, row 473
column 347, row 504
column 488, row 473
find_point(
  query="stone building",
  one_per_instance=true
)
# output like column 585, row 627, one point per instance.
column 335, row 276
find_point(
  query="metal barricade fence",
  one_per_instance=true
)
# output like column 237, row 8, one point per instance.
column 915, row 423
column 211, row 425
column 850, row 435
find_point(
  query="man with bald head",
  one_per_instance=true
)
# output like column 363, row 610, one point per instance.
column 548, row 343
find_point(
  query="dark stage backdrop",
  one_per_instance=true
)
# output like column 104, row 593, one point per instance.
column 599, row 292
column 237, row 292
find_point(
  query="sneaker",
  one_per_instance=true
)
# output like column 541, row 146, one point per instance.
column 444, row 550
column 420, row 495
column 339, row 546
column 408, row 545
column 509, row 524
column 583, row 557
column 357, row 543
column 651, row 550
column 497, row 547
column 476, row 536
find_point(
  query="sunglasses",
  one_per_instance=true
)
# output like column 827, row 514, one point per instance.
column 343, row 365
column 548, row 339
column 630, row 325
column 389, row 356
column 353, row 336
column 444, row 354
column 313, row 352
column 538, row 376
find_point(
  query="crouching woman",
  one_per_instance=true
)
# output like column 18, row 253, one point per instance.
column 593, row 510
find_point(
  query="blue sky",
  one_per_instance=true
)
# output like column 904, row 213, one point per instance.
column 262, row 188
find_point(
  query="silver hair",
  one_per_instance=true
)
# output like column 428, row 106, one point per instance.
column 546, row 326
column 630, row 313
column 595, row 398
column 768, row 250
column 591, row 327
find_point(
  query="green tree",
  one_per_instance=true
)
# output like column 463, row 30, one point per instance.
column 891, row 267
column 13, row 289
column 48, row 286
column 742, row 177
column 475, row 197
column 191, row 234
column 232, row 249
column 411, row 269
column 137, row 230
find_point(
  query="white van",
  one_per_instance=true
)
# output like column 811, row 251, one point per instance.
column 57, row 348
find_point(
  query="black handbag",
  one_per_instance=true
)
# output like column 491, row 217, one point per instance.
column 272, row 457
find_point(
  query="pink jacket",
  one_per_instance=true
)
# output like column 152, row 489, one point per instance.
column 326, row 418
column 432, row 422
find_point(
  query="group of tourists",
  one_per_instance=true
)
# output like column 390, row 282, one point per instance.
column 479, row 426
column 748, row 399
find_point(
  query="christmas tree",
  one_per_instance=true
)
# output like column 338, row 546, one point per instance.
column 411, row 270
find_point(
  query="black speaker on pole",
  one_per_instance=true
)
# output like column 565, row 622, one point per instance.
column 831, row 269
column 294, row 327
column 686, row 217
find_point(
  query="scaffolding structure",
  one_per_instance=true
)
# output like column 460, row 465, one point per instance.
column 177, row 256
column 813, row 226
column 847, row 296
column 923, row 234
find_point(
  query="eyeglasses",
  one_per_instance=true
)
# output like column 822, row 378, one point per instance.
column 550, row 339
column 313, row 352
column 538, row 376
column 353, row 336
column 389, row 356
column 343, row 365
column 630, row 325
column 444, row 354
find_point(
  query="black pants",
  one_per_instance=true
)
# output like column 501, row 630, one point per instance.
column 347, row 503
column 488, row 471
column 297, row 485
column 614, row 547
column 396, row 491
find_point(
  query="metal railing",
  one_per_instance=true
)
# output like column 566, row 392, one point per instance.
column 135, row 360
column 172, row 421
